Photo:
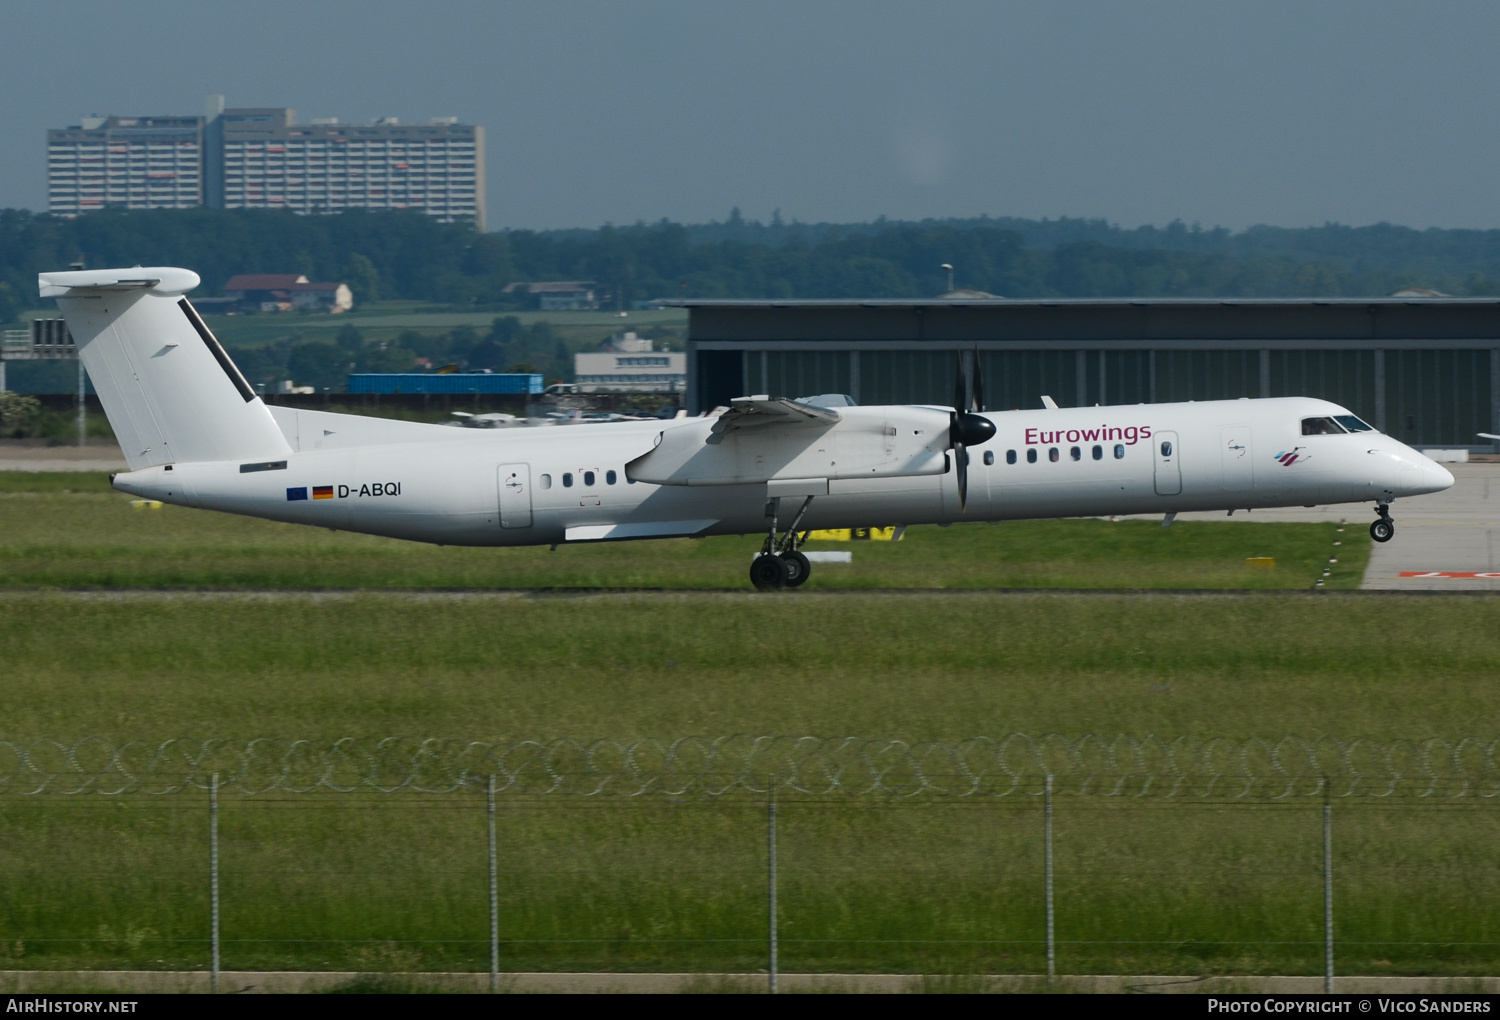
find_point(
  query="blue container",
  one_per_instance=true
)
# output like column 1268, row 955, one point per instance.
column 447, row 382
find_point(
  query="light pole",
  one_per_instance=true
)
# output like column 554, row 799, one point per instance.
column 949, row 268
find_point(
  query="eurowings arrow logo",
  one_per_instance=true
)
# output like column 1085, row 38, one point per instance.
column 1286, row 458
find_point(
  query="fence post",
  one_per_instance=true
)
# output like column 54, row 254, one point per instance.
column 494, row 898
column 1051, row 931
column 213, row 880
column 771, row 878
column 1327, row 889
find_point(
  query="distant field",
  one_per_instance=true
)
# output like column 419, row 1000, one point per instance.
column 386, row 320
column 70, row 529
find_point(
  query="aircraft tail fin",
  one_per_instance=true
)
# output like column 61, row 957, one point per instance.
column 170, row 390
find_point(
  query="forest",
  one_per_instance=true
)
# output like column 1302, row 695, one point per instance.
column 408, row 256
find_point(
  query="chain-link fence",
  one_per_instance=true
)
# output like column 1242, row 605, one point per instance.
column 993, row 855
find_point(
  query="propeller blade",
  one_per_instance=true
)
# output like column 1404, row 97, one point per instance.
column 961, row 462
column 960, row 390
column 978, row 404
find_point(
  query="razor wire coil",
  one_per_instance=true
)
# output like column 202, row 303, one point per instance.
column 1011, row 766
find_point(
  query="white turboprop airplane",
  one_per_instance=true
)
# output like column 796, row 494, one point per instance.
column 194, row 433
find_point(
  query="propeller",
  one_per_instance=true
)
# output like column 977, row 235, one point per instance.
column 965, row 428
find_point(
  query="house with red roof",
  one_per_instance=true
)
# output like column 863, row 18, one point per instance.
column 287, row 292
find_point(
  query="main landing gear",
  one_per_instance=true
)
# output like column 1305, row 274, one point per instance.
column 1382, row 528
column 780, row 563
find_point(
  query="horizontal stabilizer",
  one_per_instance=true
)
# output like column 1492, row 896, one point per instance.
column 159, row 279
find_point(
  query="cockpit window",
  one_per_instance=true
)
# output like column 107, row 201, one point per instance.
column 1321, row 427
column 1352, row 423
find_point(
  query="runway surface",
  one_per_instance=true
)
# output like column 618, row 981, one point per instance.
column 685, row 594
column 1452, row 532
column 28, row 456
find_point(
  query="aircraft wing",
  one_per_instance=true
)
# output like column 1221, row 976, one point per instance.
column 772, row 440
column 761, row 411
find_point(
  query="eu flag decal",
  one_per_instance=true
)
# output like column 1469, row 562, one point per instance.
column 292, row 495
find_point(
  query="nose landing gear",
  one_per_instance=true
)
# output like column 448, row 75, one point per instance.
column 780, row 563
column 1382, row 529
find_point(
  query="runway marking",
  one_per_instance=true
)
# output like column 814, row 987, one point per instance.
column 1483, row 574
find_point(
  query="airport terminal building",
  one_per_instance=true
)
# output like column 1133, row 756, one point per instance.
column 1425, row 370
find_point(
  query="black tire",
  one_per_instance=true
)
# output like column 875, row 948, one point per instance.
column 1381, row 530
column 797, row 568
column 768, row 573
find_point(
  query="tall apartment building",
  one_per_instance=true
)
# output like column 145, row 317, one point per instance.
column 261, row 158
column 135, row 162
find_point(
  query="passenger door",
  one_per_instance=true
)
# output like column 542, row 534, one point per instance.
column 515, row 495
column 1168, row 472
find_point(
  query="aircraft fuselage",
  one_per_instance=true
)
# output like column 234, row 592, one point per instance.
column 570, row 484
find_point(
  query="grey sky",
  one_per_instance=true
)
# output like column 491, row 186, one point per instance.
column 1291, row 113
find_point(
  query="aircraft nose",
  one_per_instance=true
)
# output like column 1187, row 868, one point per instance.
column 1435, row 477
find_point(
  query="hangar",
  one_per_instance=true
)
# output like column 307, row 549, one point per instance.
column 1425, row 370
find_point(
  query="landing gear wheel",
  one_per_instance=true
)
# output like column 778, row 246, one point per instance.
column 768, row 573
column 797, row 568
column 1382, row 529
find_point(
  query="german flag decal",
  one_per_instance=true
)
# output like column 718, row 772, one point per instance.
column 322, row 492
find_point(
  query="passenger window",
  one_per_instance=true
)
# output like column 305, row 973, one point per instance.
column 1352, row 423
column 1031, row 456
column 546, row 481
column 1052, row 455
column 1010, row 456
column 588, row 479
column 1098, row 453
column 1076, row 453
column 989, row 457
column 610, row 477
column 1119, row 451
column 567, row 479
column 1166, row 449
column 1321, row 427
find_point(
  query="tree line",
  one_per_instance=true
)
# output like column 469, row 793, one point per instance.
column 408, row 256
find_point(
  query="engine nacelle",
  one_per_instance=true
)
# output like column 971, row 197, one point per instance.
column 866, row 442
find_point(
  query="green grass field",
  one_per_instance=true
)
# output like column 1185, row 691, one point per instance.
column 398, row 882
column 401, row 884
column 915, row 667
column 72, row 530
